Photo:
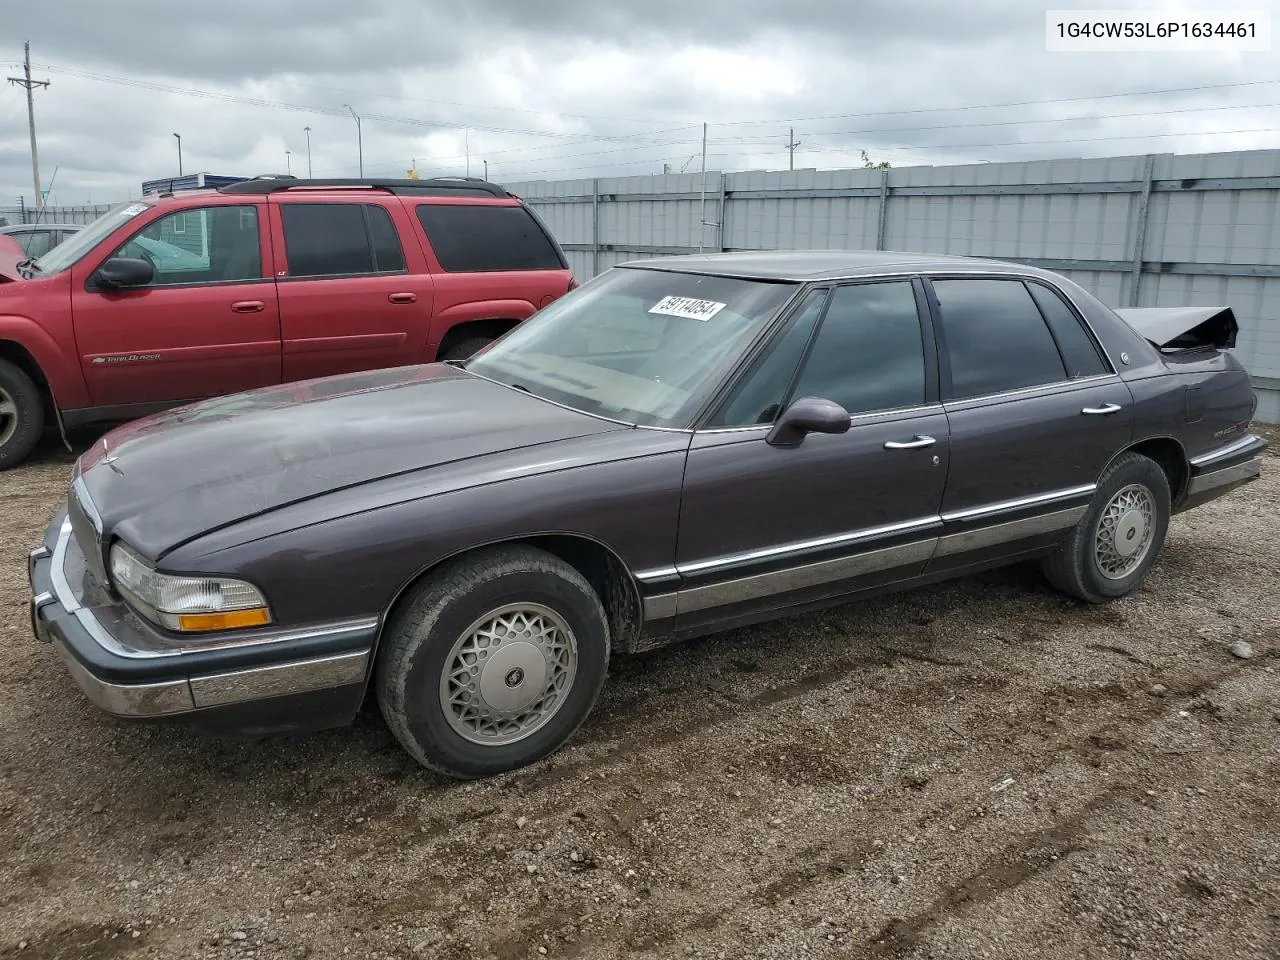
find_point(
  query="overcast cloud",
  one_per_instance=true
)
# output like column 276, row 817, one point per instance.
column 577, row 88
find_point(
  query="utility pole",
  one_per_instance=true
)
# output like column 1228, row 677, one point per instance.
column 26, row 81
column 359, row 137
column 702, row 212
column 791, row 147
column 308, row 130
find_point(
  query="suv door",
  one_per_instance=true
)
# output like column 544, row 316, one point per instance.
column 206, row 325
column 352, row 295
column 762, row 525
column 1035, row 410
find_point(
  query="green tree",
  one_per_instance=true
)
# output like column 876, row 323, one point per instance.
column 872, row 165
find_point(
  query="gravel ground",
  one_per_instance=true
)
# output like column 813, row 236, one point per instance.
column 978, row 769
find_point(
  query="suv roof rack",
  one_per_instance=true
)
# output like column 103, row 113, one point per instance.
column 434, row 186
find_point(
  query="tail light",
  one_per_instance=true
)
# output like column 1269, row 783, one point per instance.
column 573, row 283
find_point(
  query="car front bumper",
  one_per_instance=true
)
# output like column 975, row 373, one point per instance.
column 279, row 680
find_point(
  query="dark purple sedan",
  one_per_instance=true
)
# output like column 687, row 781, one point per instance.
column 680, row 446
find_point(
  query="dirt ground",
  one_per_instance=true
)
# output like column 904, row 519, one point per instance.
column 979, row 769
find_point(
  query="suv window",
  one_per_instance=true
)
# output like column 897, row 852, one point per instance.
column 758, row 396
column 996, row 338
column 1077, row 347
column 200, row 245
column 477, row 238
column 340, row 239
column 869, row 352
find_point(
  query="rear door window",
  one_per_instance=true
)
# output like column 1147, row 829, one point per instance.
column 482, row 238
column 996, row 339
column 340, row 239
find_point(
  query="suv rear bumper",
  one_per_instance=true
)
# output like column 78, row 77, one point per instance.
column 287, row 681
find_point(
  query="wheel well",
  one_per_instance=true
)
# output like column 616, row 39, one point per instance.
column 600, row 566
column 490, row 329
column 1173, row 461
column 17, row 354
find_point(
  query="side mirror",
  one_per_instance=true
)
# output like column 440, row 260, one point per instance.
column 808, row 415
column 119, row 272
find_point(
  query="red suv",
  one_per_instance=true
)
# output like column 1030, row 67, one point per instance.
column 187, row 296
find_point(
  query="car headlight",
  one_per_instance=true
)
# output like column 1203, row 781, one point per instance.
column 186, row 604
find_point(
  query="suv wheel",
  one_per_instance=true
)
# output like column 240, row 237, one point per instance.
column 1114, row 545
column 21, row 415
column 493, row 663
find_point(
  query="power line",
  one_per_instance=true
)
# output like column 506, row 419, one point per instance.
column 1021, row 143
column 327, row 111
column 1010, row 123
column 1003, row 106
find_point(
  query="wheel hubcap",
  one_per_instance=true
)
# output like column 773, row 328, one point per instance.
column 1125, row 531
column 508, row 674
column 8, row 417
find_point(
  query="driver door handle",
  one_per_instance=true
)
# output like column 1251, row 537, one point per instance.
column 1102, row 411
column 402, row 297
column 247, row 306
column 918, row 443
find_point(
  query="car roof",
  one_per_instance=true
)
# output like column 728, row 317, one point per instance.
column 811, row 265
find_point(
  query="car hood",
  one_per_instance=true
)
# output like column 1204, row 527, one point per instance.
column 160, row 481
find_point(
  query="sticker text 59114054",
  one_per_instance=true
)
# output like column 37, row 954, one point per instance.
column 687, row 307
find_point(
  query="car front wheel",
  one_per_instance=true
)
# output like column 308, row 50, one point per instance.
column 1110, row 551
column 493, row 662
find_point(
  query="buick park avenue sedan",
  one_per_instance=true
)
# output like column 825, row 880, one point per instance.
column 681, row 446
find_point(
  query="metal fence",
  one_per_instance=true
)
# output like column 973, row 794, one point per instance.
column 1155, row 230
column 84, row 213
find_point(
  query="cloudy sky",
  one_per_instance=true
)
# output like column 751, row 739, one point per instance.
column 572, row 88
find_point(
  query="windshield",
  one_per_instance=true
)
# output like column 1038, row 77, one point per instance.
column 78, row 244
column 642, row 346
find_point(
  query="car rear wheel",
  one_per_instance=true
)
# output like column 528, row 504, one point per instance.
column 21, row 415
column 1110, row 551
column 493, row 662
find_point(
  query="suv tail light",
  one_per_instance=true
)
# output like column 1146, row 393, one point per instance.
column 573, row 283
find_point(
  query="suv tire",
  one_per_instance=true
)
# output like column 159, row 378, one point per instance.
column 21, row 415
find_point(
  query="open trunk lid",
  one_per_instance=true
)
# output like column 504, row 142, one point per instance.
column 1184, row 328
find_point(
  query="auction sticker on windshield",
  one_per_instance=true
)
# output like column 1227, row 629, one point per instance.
column 687, row 307
column 133, row 209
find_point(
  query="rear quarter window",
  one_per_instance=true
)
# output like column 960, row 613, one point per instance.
column 483, row 238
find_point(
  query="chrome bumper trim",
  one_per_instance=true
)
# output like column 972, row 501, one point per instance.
column 279, row 679
column 1214, row 479
column 1231, row 449
column 129, row 700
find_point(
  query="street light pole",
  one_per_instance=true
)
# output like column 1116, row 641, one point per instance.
column 288, row 162
column 359, row 137
column 308, row 129
column 179, row 139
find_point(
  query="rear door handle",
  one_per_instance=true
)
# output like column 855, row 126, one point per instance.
column 247, row 306
column 919, row 443
column 402, row 297
column 1102, row 411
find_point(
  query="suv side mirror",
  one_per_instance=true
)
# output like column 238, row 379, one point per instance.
column 119, row 272
column 808, row 415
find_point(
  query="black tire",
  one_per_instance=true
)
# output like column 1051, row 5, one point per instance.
column 1075, row 569
column 21, row 430
column 438, row 612
column 465, row 348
